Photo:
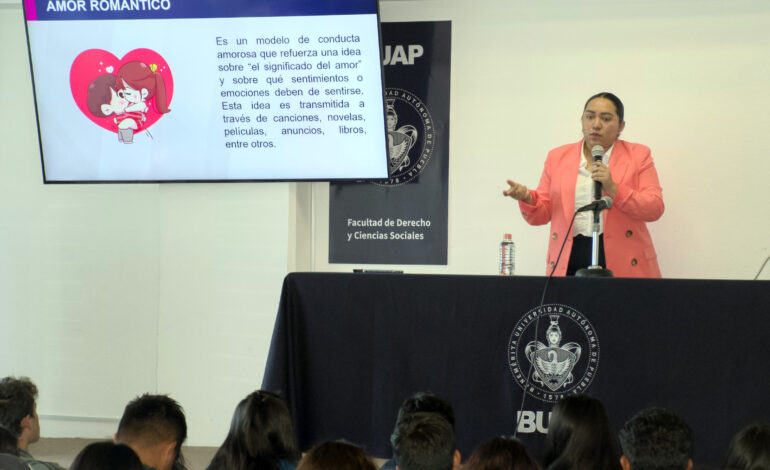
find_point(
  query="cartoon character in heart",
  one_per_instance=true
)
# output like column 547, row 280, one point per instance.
column 123, row 96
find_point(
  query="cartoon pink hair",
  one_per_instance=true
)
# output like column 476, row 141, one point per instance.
column 139, row 75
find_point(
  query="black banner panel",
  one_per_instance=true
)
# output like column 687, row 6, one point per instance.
column 403, row 220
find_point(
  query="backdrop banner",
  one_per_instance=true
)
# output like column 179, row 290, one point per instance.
column 403, row 220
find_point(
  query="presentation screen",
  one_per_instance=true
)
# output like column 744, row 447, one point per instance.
column 207, row 90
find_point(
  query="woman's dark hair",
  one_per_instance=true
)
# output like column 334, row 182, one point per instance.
column 615, row 100
column 336, row 456
column 750, row 448
column 106, row 455
column 580, row 437
column 260, row 436
column 8, row 442
column 500, row 454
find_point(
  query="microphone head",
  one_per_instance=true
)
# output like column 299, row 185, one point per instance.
column 608, row 201
column 597, row 151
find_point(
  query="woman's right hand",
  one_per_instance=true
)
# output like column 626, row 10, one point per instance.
column 518, row 192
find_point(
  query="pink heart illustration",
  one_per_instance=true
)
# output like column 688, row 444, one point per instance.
column 103, row 85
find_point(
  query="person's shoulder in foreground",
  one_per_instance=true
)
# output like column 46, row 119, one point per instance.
column 12, row 462
column 35, row 464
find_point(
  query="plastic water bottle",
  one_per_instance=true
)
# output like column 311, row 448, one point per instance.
column 507, row 259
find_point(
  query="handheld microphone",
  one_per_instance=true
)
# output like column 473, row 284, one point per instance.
column 597, row 151
column 598, row 205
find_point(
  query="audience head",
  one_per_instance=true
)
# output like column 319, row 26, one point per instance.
column 656, row 439
column 106, row 455
column 500, row 454
column 424, row 441
column 18, row 410
column 750, row 449
column 336, row 456
column 260, row 432
column 429, row 403
column 154, row 426
column 580, row 436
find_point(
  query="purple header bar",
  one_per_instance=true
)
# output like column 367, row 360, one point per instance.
column 67, row 10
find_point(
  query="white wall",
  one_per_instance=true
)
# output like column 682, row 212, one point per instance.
column 693, row 75
column 109, row 291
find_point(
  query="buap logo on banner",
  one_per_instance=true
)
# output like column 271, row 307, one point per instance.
column 565, row 362
column 553, row 352
column 410, row 146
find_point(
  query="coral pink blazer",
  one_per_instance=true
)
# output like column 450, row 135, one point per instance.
column 628, row 246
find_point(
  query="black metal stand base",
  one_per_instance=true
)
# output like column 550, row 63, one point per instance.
column 593, row 271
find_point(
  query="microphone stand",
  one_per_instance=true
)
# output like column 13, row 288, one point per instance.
column 595, row 270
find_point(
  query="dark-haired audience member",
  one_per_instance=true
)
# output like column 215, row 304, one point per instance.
column 500, row 454
column 424, row 441
column 580, row 436
column 422, row 402
column 426, row 402
column 18, row 414
column 750, row 449
column 154, row 427
column 656, row 439
column 261, row 436
column 106, row 456
column 336, row 456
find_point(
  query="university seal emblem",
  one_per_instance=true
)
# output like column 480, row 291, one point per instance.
column 565, row 363
column 411, row 136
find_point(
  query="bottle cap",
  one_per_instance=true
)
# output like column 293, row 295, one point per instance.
column 507, row 236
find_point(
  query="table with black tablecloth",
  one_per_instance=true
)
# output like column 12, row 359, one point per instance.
column 348, row 348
